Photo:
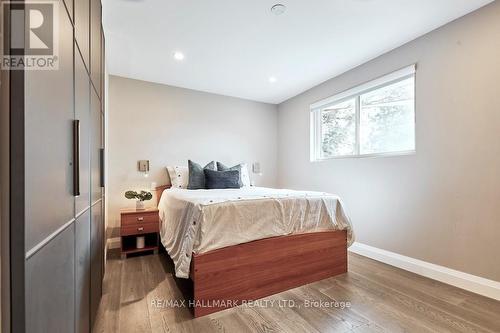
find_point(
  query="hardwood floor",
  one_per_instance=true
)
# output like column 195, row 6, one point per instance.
column 382, row 299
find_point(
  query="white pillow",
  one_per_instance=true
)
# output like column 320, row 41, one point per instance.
column 179, row 176
column 245, row 176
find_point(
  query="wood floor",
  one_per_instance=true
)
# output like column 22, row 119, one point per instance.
column 382, row 299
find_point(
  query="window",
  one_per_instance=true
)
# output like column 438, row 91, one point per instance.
column 375, row 118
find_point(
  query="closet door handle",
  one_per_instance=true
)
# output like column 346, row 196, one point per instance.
column 76, row 157
column 101, row 166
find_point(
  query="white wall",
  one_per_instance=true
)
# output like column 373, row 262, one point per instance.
column 441, row 205
column 169, row 125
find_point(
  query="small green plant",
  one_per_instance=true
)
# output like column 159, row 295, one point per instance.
column 141, row 196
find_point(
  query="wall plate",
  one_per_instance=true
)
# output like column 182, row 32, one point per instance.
column 143, row 165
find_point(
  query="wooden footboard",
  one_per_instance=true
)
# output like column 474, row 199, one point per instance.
column 230, row 276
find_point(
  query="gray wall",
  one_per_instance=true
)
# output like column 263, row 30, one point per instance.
column 169, row 125
column 441, row 205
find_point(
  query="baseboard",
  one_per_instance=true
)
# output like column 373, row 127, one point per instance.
column 469, row 282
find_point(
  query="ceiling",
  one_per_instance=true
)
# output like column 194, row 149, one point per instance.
column 233, row 47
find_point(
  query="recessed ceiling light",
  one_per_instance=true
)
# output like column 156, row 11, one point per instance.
column 178, row 56
column 278, row 9
column 272, row 79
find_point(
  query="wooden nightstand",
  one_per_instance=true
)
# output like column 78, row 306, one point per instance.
column 139, row 223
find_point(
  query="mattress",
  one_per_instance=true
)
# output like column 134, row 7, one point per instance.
column 197, row 221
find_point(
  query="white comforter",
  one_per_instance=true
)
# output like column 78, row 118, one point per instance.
column 202, row 220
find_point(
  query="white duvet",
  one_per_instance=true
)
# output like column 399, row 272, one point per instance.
column 197, row 221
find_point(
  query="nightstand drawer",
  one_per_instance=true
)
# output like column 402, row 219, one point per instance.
column 137, row 229
column 144, row 218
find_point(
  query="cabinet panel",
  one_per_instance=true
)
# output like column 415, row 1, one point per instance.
column 50, row 284
column 48, row 124
column 95, row 146
column 96, row 258
column 103, row 71
column 95, row 44
column 82, row 269
column 62, row 280
column 82, row 28
column 82, row 113
column 69, row 6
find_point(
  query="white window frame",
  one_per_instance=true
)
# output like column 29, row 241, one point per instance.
column 355, row 93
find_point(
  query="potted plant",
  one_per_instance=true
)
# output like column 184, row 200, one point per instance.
column 140, row 197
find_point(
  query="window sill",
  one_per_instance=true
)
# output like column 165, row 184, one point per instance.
column 375, row 155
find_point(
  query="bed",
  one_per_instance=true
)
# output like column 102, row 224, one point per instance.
column 239, row 245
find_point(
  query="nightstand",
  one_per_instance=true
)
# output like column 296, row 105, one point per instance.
column 139, row 223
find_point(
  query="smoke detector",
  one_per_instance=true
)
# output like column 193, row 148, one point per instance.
column 278, row 9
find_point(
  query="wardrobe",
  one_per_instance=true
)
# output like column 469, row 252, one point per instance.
column 56, row 180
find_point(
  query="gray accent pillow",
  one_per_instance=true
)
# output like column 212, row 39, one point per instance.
column 222, row 167
column 222, row 179
column 197, row 176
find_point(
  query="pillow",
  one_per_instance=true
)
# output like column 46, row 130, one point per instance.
column 179, row 176
column 196, row 175
column 242, row 168
column 222, row 179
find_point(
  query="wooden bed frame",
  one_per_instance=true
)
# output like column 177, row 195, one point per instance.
column 233, row 275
